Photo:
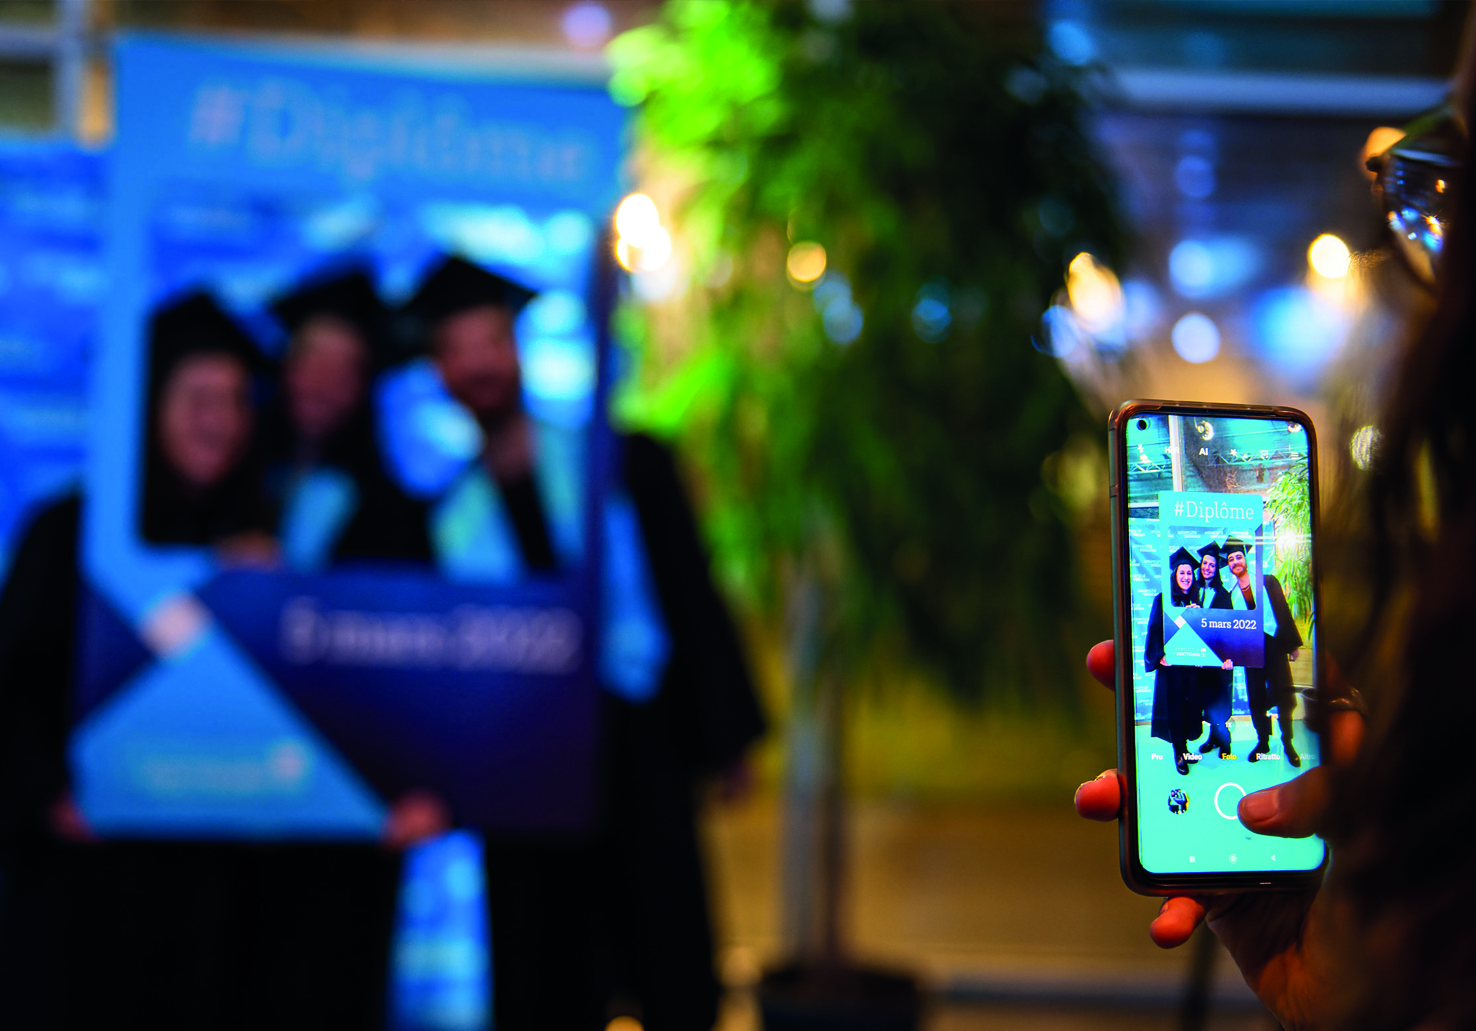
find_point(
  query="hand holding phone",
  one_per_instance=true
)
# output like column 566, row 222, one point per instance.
column 1277, row 938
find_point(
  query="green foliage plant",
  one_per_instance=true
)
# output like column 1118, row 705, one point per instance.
column 1288, row 505
column 940, row 157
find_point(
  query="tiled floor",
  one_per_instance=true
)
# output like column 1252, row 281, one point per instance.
column 1007, row 912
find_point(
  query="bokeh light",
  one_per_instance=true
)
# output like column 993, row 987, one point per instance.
column 1070, row 41
column 1142, row 309
column 643, row 244
column 1194, row 175
column 1364, row 446
column 1213, row 267
column 636, row 216
column 1329, row 256
column 1061, row 334
column 1299, row 330
column 647, row 256
column 1196, row 338
column 932, row 317
column 840, row 315
column 587, row 25
column 805, row 264
column 1096, row 295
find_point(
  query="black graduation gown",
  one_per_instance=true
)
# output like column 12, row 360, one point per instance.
column 386, row 522
column 1175, row 688
column 1271, row 685
column 1287, row 638
column 162, row 935
column 174, row 513
column 575, row 924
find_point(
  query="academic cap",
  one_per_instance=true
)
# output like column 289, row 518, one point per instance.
column 1182, row 557
column 1234, row 544
column 456, row 285
column 1211, row 549
column 196, row 325
column 350, row 297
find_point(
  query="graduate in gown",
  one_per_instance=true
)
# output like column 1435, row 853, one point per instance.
column 325, row 478
column 1215, row 686
column 1176, row 708
column 202, row 469
column 576, row 924
column 1271, row 684
column 165, row 935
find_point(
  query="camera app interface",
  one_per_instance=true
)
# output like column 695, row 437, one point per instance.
column 1220, row 581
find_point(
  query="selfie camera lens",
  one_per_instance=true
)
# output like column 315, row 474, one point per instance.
column 1142, row 424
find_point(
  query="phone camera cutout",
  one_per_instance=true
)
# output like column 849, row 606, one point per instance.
column 1142, row 424
column 1178, row 802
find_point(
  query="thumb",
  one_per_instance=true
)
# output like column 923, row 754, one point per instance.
column 1290, row 810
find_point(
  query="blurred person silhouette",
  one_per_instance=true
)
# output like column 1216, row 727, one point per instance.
column 1270, row 685
column 201, row 468
column 1389, row 940
column 168, row 934
column 325, row 476
column 1176, row 708
column 1215, row 687
column 622, row 915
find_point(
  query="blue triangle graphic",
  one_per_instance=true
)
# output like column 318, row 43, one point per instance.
column 1187, row 648
column 200, row 745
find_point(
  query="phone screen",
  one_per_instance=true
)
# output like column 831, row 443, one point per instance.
column 1219, row 565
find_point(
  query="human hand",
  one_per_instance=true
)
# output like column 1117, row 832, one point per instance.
column 414, row 817
column 1227, row 664
column 1277, row 939
column 1293, row 654
column 1162, row 662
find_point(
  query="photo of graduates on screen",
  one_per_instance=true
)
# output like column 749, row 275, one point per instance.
column 280, row 463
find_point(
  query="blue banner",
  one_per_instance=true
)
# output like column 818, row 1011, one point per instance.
column 51, row 284
column 252, row 685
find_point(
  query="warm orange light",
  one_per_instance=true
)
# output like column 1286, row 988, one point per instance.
column 1329, row 256
column 806, row 263
column 1095, row 293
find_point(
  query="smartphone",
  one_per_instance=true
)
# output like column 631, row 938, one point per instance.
column 1214, row 519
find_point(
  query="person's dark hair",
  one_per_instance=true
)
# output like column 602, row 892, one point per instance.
column 1398, row 871
column 1178, row 597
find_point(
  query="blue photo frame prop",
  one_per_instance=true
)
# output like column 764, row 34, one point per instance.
column 210, row 703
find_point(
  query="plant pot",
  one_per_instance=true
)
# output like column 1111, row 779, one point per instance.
column 838, row 997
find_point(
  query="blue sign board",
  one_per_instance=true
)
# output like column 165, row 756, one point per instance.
column 219, row 697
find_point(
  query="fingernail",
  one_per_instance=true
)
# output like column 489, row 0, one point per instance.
column 1260, row 807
